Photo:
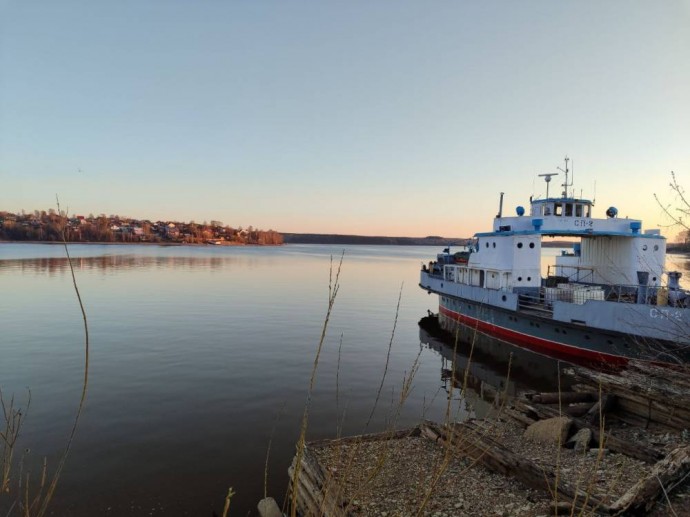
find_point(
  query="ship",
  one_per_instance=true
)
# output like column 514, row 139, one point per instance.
column 606, row 300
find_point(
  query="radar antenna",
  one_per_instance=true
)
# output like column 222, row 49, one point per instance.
column 565, row 184
column 547, row 179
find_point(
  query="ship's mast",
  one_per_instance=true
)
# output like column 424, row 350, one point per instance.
column 565, row 184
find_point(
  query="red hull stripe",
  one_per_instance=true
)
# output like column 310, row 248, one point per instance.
column 534, row 343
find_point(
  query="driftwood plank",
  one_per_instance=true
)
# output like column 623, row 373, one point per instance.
column 567, row 397
column 317, row 492
column 664, row 477
column 578, row 409
column 518, row 416
column 471, row 440
column 314, row 495
column 373, row 437
column 659, row 395
column 605, row 404
column 612, row 442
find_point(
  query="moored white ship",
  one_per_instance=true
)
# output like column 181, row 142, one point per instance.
column 605, row 301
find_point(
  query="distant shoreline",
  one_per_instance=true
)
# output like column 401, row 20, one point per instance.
column 306, row 238
column 328, row 238
column 138, row 243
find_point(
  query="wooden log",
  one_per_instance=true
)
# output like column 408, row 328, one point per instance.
column 317, row 494
column 605, row 404
column 616, row 444
column 665, row 476
column 661, row 395
column 566, row 397
column 655, row 413
column 471, row 439
column 372, row 437
column 429, row 432
column 519, row 417
column 561, row 508
column 579, row 409
column 629, row 419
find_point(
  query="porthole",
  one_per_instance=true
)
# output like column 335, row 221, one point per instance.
column 531, row 245
column 519, row 279
column 519, row 245
column 503, row 298
column 494, row 244
column 558, row 331
column 644, row 247
column 487, row 244
column 564, row 332
column 653, row 279
column 529, row 278
column 538, row 326
column 609, row 342
column 656, row 247
column 586, row 337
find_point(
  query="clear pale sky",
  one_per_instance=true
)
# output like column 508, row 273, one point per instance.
column 373, row 118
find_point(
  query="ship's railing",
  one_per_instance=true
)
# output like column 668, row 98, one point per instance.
column 487, row 278
column 654, row 295
column 619, row 293
column 571, row 273
column 584, row 278
column 534, row 303
column 627, row 293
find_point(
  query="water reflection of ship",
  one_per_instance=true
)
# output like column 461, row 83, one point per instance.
column 495, row 369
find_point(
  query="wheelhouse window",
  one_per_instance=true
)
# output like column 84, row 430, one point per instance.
column 578, row 210
column 589, row 211
column 557, row 209
column 568, row 210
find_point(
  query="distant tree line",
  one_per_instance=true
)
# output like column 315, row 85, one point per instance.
column 320, row 238
column 682, row 244
column 52, row 226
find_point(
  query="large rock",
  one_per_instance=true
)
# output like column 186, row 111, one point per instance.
column 580, row 440
column 269, row 508
column 551, row 431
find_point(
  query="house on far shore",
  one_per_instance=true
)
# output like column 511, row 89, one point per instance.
column 171, row 231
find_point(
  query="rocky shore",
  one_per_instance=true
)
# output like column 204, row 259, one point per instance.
column 418, row 473
column 622, row 451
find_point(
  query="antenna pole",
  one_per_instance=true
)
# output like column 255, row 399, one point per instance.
column 566, row 184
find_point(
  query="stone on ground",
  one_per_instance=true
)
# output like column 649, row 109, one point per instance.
column 550, row 431
column 269, row 508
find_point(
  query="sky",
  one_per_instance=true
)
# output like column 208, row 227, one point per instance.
column 394, row 118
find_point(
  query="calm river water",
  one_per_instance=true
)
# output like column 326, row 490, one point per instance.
column 201, row 357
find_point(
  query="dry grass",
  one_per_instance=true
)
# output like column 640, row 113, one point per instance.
column 349, row 479
column 21, row 501
column 333, row 288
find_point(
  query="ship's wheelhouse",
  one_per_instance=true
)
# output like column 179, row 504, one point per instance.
column 562, row 207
